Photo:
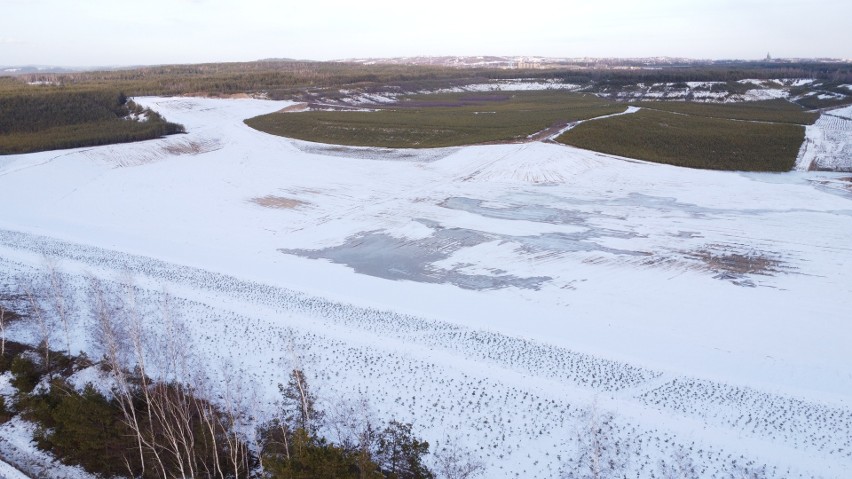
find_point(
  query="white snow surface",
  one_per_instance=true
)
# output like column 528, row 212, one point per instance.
column 520, row 84
column 704, row 91
column 100, row 380
column 20, row 455
column 9, row 472
column 765, row 94
column 511, row 85
column 487, row 293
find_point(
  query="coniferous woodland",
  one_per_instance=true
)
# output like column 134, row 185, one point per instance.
column 41, row 118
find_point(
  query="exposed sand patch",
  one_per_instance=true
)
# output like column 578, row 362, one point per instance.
column 732, row 263
column 227, row 96
column 294, row 108
column 279, row 202
column 191, row 147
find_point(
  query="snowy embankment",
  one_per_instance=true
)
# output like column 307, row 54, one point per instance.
column 828, row 143
column 487, row 294
column 521, row 84
column 9, row 472
column 512, row 85
column 711, row 92
column 629, row 110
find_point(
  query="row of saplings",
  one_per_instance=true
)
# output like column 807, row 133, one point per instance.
column 166, row 430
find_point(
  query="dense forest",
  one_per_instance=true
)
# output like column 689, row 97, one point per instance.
column 39, row 118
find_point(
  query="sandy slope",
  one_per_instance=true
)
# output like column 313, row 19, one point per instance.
column 705, row 308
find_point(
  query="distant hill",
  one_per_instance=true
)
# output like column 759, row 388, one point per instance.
column 36, row 69
column 28, row 69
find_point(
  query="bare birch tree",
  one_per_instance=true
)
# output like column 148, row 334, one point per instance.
column 2, row 331
column 354, row 426
column 167, row 400
column 59, row 298
column 33, row 295
column 680, row 466
column 600, row 454
column 452, row 461
column 111, row 334
column 742, row 471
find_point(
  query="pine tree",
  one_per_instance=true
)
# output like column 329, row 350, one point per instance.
column 400, row 454
column 298, row 404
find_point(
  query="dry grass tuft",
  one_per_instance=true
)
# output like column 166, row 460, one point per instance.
column 738, row 263
column 278, row 202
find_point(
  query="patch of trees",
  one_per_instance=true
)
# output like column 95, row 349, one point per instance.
column 179, row 424
column 40, row 109
column 159, row 430
column 291, row 446
column 167, row 430
column 48, row 118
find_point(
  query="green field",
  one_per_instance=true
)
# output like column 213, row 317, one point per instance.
column 756, row 136
column 692, row 141
column 813, row 102
column 778, row 111
column 427, row 121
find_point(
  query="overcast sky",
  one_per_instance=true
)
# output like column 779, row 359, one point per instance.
column 121, row 32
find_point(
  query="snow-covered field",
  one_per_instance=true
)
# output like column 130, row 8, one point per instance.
column 487, row 294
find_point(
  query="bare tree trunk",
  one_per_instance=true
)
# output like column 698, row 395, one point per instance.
column 59, row 297
column 304, row 398
column 108, row 335
column 455, row 462
column 2, row 331
column 234, row 405
column 212, row 424
column 36, row 311
column 600, row 454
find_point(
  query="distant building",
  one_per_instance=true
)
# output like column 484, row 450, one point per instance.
column 524, row 64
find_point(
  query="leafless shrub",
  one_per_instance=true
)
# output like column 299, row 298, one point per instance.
column 33, row 292
column 752, row 262
column 600, row 454
column 453, row 461
column 279, row 202
column 681, row 466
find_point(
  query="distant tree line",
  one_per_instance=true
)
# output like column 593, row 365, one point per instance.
column 291, row 79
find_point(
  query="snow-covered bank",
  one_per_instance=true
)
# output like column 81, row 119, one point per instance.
column 828, row 143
